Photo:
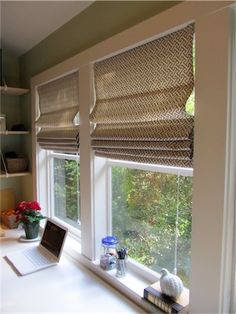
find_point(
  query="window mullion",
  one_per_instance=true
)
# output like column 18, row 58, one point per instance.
column 51, row 184
column 86, row 170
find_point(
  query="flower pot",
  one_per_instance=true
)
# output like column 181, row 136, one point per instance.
column 31, row 230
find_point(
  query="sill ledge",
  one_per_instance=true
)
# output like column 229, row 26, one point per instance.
column 130, row 286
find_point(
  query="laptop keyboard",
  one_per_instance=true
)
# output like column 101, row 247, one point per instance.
column 36, row 257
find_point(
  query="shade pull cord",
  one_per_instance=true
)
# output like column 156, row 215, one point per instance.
column 176, row 227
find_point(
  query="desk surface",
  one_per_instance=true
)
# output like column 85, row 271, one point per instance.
column 65, row 288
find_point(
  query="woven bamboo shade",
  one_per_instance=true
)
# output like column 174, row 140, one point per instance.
column 59, row 109
column 139, row 114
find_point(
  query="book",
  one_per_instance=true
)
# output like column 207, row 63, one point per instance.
column 165, row 303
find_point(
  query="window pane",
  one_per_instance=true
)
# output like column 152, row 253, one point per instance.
column 151, row 215
column 66, row 191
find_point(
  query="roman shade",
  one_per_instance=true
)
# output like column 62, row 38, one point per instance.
column 139, row 114
column 59, row 114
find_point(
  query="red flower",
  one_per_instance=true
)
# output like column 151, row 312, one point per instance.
column 22, row 206
column 34, row 205
column 28, row 212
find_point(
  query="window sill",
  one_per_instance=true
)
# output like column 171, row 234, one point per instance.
column 131, row 285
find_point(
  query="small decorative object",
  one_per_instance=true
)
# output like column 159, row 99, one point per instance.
column 2, row 122
column 121, row 264
column 171, row 285
column 18, row 127
column 108, row 256
column 154, row 295
column 28, row 214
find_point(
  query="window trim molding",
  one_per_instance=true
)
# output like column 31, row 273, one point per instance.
column 228, row 272
column 212, row 35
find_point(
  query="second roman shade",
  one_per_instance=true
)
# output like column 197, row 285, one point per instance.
column 139, row 114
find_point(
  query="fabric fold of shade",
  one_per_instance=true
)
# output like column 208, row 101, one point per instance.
column 64, row 140
column 139, row 114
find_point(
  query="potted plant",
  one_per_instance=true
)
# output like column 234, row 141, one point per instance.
column 28, row 215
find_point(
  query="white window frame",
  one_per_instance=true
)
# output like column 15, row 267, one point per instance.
column 228, row 274
column 50, row 156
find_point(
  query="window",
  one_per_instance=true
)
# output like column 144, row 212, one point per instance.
column 57, row 127
column 144, row 113
column 151, row 215
column 65, row 191
column 212, row 33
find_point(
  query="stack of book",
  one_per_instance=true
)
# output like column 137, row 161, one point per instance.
column 154, row 295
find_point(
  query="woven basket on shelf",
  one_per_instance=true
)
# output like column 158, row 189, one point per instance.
column 14, row 165
column 8, row 218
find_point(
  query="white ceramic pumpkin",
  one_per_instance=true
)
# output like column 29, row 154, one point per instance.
column 171, row 285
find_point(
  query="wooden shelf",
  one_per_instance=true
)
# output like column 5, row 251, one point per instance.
column 13, row 132
column 14, row 91
column 12, row 175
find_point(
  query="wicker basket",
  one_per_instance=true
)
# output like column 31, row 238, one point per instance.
column 8, row 218
column 14, row 165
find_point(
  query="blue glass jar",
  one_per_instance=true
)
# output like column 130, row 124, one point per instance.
column 108, row 256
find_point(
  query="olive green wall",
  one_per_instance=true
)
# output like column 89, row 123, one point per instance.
column 101, row 20
column 9, row 69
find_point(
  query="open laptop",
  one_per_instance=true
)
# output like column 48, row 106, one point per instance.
column 44, row 255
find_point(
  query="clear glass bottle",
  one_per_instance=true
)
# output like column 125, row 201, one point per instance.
column 108, row 256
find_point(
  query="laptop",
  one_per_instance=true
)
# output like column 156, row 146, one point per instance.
column 44, row 255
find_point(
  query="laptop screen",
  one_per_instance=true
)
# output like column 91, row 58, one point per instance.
column 53, row 238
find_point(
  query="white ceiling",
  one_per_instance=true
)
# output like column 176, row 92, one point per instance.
column 25, row 23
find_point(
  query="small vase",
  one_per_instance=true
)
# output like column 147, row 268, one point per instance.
column 31, row 230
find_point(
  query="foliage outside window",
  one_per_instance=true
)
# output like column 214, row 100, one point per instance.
column 66, row 195
column 152, row 215
column 189, row 106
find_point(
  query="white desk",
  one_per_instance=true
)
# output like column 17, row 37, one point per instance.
column 65, row 288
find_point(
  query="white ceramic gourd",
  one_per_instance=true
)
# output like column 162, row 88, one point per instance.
column 171, row 285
